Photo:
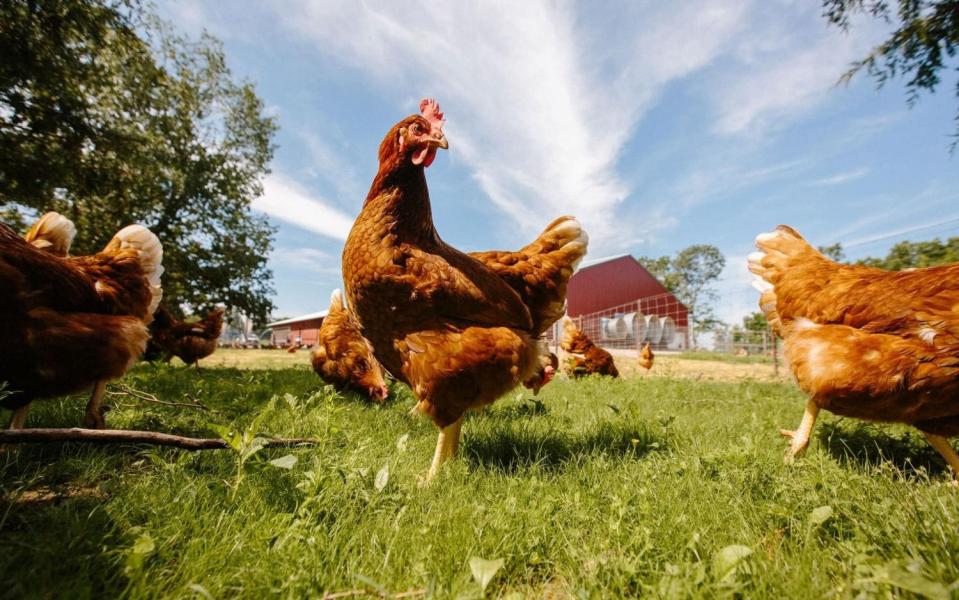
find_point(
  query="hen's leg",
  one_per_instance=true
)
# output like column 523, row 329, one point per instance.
column 445, row 446
column 94, row 417
column 19, row 417
column 800, row 437
column 456, row 428
column 942, row 445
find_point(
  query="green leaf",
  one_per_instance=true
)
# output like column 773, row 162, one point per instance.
column 284, row 462
column 820, row 515
column 144, row 545
column 382, row 478
column 141, row 549
column 727, row 559
column 895, row 575
column 227, row 435
column 484, row 570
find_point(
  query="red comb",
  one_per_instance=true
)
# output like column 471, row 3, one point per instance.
column 430, row 110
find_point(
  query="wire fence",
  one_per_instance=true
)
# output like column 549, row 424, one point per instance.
column 740, row 342
column 662, row 321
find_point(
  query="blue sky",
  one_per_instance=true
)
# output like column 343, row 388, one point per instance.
column 658, row 124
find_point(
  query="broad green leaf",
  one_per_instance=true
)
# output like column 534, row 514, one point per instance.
column 142, row 547
column 382, row 478
column 894, row 574
column 727, row 559
column 284, row 462
column 484, row 570
column 820, row 515
column 144, row 544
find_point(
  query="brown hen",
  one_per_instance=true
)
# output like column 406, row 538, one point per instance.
column 646, row 357
column 863, row 342
column 189, row 341
column 343, row 357
column 445, row 323
column 588, row 359
column 67, row 323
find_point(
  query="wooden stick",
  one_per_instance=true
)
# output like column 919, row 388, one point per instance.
column 121, row 436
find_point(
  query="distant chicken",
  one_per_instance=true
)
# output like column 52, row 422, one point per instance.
column 459, row 331
column 343, row 357
column 863, row 342
column 69, row 323
column 588, row 358
column 189, row 341
column 646, row 357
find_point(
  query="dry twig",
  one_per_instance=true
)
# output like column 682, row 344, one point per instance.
column 129, row 436
column 146, row 397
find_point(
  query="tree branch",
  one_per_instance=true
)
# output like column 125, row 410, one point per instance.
column 128, row 436
column 124, row 390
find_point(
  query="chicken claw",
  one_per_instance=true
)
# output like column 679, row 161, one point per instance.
column 446, row 446
column 94, row 416
column 800, row 437
column 942, row 445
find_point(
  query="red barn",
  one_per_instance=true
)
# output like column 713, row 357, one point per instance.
column 618, row 303
column 304, row 329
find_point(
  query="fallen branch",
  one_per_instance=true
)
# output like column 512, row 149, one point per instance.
column 146, row 397
column 129, row 436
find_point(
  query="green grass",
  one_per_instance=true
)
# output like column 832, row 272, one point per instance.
column 602, row 489
column 724, row 357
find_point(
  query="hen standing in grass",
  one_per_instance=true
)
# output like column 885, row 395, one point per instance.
column 343, row 357
column 68, row 323
column 646, row 357
column 189, row 341
column 863, row 342
column 451, row 327
column 593, row 360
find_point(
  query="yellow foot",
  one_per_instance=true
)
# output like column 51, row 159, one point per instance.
column 95, row 419
column 797, row 446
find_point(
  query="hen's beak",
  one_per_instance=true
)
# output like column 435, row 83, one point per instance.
column 379, row 393
column 439, row 141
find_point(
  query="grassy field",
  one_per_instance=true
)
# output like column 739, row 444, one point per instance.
column 655, row 486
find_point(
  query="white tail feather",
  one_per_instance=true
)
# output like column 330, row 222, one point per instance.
column 53, row 230
column 150, row 254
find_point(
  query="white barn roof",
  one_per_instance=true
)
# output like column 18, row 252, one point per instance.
column 307, row 317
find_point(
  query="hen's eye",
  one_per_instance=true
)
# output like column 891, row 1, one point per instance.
column 415, row 129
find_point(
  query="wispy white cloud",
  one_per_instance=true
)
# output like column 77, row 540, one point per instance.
column 840, row 178
column 780, row 72
column 539, row 106
column 287, row 201
column 306, row 258
column 329, row 164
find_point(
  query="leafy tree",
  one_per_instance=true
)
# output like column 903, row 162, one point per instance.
column 908, row 255
column 755, row 322
column 109, row 117
column 834, row 252
column 924, row 43
column 690, row 275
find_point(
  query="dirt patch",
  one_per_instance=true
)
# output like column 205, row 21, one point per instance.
column 48, row 495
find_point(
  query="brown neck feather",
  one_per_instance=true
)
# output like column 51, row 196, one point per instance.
column 405, row 197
